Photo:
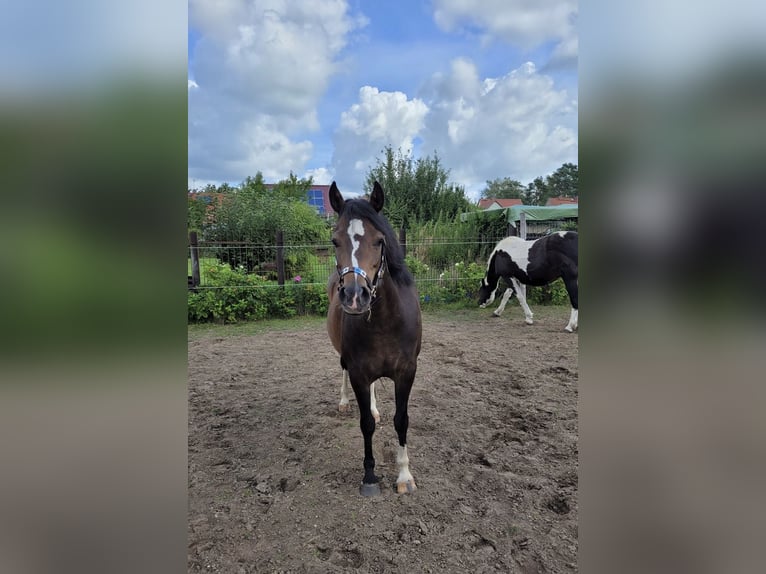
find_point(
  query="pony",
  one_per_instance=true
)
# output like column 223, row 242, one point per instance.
column 374, row 321
column 536, row 262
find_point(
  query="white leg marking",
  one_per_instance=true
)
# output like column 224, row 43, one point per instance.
column 405, row 478
column 572, row 325
column 500, row 308
column 374, row 404
column 521, row 294
column 343, row 406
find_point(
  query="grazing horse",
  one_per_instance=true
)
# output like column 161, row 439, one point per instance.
column 536, row 262
column 373, row 321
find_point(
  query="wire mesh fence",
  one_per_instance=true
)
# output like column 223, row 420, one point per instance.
column 429, row 260
column 230, row 281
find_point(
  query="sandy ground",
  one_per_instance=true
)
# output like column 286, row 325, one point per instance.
column 274, row 468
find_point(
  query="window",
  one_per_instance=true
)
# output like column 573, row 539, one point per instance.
column 316, row 200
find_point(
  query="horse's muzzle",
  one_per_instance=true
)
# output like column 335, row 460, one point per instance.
column 355, row 299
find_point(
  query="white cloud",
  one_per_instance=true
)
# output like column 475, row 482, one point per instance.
column 377, row 120
column 261, row 68
column 520, row 22
column 321, row 175
column 518, row 125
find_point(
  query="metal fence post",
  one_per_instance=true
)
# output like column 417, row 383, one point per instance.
column 194, row 258
column 280, row 258
column 523, row 225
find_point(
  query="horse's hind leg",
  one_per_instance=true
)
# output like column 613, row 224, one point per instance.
column 521, row 295
column 343, row 405
column 374, row 404
column 405, row 482
column 500, row 308
column 571, row 285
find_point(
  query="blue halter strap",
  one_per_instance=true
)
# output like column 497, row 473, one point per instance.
column 372, row 286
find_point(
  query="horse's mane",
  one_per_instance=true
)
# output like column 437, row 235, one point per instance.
column 361, row 208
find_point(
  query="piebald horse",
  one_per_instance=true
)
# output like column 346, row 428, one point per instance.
column 536, row 262
column 373, row 321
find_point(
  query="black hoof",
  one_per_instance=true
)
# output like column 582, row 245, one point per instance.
column 369, row 489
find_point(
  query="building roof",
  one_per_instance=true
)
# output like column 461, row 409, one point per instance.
column 494, row 203
column 561, row 201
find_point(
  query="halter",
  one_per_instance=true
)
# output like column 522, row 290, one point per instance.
column 372, row 286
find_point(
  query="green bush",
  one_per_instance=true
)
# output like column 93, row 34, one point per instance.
column 232, row 295
column 552, row 294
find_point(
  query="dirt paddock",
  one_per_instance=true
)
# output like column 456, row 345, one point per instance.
column 274, row 468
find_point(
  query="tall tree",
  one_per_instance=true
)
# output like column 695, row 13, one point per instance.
column 564, row 182
column 503, row 188
column 537, row 192
column 561, row 183
column 416, row 190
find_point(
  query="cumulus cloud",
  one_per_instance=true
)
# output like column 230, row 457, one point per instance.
column 519, row 22
column 320, row 175
column 518, row 125
column 261, row 69
column 377, row 120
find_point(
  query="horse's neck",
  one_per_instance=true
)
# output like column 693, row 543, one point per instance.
column 388, row 296
column 492, row 276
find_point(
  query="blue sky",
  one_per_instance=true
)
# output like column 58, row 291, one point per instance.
column 319, row 88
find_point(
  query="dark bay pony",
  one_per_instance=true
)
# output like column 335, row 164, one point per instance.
column 536, row 262
column 373, row 320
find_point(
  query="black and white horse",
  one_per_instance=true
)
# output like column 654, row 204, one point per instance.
column 537, row 262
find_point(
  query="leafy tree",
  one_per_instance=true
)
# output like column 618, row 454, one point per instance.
column 196, row 213
column 561, row 183
column 537, row 192
column 294, row 188
column 564, row 181
column 505, row 188
column 254, row 213
column 416, row 190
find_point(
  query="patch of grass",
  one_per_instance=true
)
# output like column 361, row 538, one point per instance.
column 456, row 313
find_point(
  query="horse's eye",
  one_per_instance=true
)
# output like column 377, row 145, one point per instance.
column 335, row 243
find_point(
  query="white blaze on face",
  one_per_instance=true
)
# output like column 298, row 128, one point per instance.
column 355, row 227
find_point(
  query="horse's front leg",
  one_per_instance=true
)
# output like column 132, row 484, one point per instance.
column 370, row 486
column 571, row 284
column 521, row 295
column 500, row 308
column 405, row 483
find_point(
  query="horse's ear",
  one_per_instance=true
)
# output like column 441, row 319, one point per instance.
column 336, row 199
column 377, row 197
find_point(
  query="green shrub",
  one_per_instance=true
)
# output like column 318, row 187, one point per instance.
column 552, row 294
column 232, row 295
